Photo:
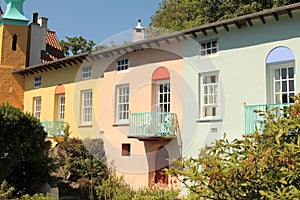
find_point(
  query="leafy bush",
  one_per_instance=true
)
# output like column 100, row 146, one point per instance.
column 116, row 188
column 5, row 190
column 261, row 166
column 81, row 164
column 38, row 196
column 155, row 194
column 24, row 154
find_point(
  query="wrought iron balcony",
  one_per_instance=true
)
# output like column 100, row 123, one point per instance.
column 254, row 119
column 152, row 125
column 54, row 128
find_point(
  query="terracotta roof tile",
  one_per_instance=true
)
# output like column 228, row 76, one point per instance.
column 53, row 48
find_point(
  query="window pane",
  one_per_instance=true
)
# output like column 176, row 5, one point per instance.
column 214, row 111
column 284, row 86
column 205, row 90
column 216, row 89
column 277, row 74
column 277, row 86
column 291, row 85
column 205, row 99
column 277, row 98
column 283, row 73
column 291, row 72
column 291, row 95
column 213, row 79
column 284, row 98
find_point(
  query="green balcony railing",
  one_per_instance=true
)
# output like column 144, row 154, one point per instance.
column 254, row 120
column 152, row 125
column 54, row 128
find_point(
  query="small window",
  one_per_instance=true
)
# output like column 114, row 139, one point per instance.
column 214, row 130
column 122, row 64
column 37, row 81
column 126, row 149
column 86, row 107
column 37, row 103
column 14, row 42
column 86, row 72
column 209, row 95
column 208, row 47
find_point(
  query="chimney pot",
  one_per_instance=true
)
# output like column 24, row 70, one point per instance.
column 35, row 17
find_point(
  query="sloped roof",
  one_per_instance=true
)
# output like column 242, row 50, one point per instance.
column 53, row 48
column 239, row 22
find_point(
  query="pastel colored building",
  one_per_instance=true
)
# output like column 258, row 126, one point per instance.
column 154, row 100
column 130, row 96
column 237, row 66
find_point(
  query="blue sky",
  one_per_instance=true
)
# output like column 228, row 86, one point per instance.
column 93, row 19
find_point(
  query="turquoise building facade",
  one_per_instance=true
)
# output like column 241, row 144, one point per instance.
column 234, row 67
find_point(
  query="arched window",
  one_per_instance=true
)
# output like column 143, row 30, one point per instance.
column 61, row 101
column 161, row 81
column 280, row 64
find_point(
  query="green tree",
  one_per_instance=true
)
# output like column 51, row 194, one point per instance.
column 81, row 163
column 261, row 166
column 76, row 45
column 182, row 14
column 24, row 160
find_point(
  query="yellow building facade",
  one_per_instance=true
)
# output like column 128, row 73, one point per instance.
column 13, row 54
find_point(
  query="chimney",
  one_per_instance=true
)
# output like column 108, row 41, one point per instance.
column 35, row 17
column 138, row 32
column 43, row 21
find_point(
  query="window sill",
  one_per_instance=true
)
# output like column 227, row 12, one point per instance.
column 209, row 120
column 85, row 125
column 116, row 125
column 122, row 71
column 209, row 56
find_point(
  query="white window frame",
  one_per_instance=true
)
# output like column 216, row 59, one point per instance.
column 206, row 48
column 210, row 95
column 86, row 72
column 158, row 93
column 86, row 107
column 37, row 83
column 122, row 103
column 37, row 107
column 279, row 66
column 123, row 66
column 61, row 107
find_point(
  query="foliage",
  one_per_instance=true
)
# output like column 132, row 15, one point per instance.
column 5, row 190
column 156, row 194
column 81, row 163
column 38, row 196
column 116, row 188
column 24, row 160
column 182, row 14
column 76, row 45
column 261, row 166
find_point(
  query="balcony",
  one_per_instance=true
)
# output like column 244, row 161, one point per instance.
column 54, row 128
column 254, row 120
column 152, row 125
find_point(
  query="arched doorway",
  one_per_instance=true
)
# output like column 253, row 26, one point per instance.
column 161, row 163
